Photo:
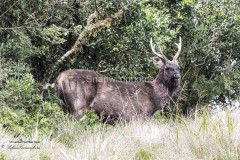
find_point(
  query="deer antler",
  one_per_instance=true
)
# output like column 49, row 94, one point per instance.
column 179, row 45
column 160, row 54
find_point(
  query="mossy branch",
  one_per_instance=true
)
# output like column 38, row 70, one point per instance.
column 91, row 29
column 93, row 26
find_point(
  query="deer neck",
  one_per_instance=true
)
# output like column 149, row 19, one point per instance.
column 162, row 92
column 160, row 95
column 169, row 87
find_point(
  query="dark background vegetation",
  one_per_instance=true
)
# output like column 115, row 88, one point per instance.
column 35, row 34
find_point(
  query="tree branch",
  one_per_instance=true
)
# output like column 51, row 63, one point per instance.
column 91, row 29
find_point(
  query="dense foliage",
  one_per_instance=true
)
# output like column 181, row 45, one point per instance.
column 35, row 34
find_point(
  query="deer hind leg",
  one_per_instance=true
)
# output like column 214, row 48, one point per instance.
column 75, row 99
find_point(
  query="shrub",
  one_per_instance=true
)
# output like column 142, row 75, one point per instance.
column 23, row 109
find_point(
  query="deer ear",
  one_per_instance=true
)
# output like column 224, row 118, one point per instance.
column 157, row 62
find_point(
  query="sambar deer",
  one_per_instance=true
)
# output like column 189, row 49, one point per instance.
column 86, row 89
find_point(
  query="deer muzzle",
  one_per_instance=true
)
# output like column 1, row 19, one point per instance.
column 177, row 76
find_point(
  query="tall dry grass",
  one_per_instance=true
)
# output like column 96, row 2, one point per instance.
column 205, row 137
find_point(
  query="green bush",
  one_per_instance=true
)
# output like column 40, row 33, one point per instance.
column 211, row 51
column 22, row 107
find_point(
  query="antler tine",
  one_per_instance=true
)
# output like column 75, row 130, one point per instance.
column 179, row 45
column 160, row 55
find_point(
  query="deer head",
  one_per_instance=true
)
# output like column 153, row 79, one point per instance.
column 169, row 69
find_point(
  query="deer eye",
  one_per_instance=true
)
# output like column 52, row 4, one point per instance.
column 168, row 69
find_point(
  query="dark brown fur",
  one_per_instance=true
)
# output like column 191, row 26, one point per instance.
column 86, row 89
